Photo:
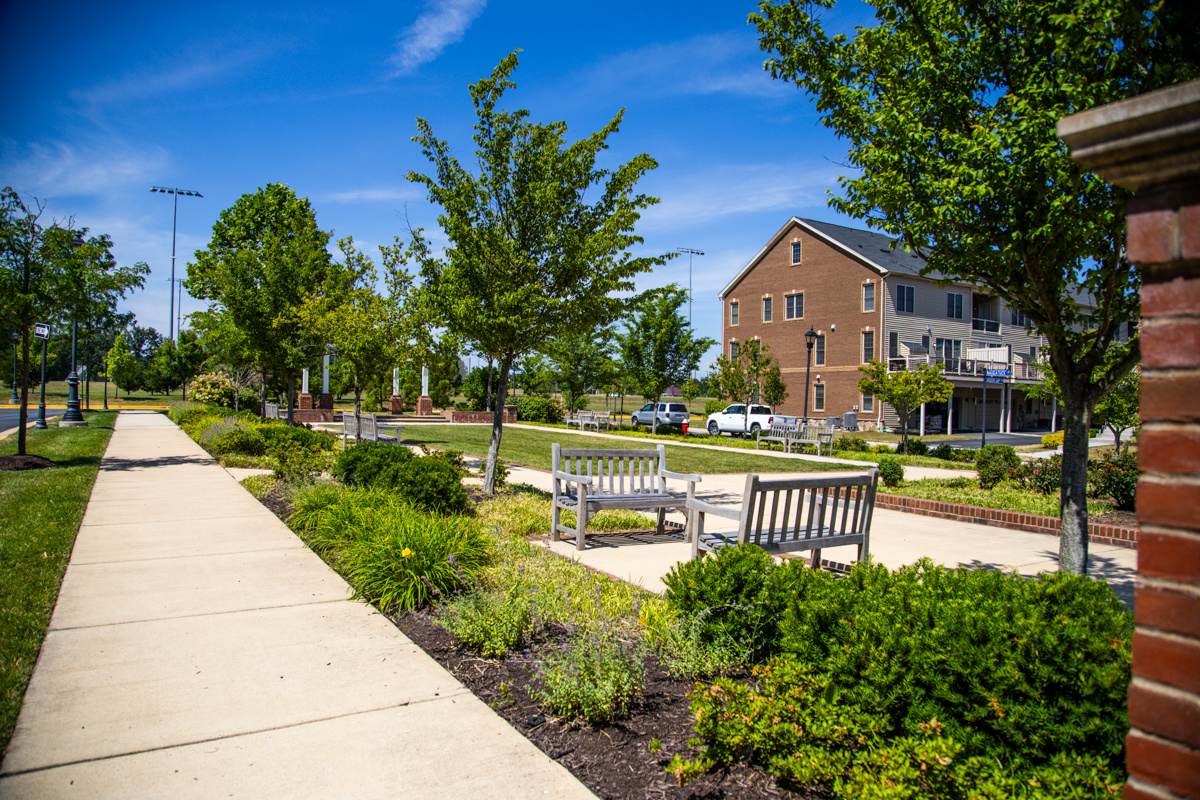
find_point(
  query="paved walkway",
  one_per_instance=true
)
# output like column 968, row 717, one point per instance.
column 198, row 649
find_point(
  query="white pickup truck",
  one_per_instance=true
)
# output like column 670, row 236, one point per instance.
column 734, row 419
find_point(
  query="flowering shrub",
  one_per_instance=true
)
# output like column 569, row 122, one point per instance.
column 1043, row 476
column 213, row 388
column 1116, row 477
column 1052, row 440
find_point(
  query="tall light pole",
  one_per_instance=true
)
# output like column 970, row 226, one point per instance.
column 174, row 218
column 690, row 253
column 72, row 418
column 810, row 338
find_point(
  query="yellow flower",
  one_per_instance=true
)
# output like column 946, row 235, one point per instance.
column 406, row 552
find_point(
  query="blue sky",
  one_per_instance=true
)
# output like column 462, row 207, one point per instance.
column 103, row 101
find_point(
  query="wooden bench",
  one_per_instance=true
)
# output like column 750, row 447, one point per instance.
column 590, row 481
column 371, row 429
column 581, row 419
column 783, row 432
column 814, row 434
column 786, row 515
column 596, row 419
column 271, row 410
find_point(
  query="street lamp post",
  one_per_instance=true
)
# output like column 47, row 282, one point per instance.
column 15, row 399
column 690, row 253
column 810, row 338
column 174, row 219
column 41, row 420
column 72, row 418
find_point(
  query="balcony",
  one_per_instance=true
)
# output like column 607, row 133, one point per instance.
column 966, row 367
column 985, row 325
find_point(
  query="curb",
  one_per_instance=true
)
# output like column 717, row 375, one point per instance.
column 1015, row 520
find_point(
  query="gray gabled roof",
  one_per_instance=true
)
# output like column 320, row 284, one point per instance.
column 880, row 248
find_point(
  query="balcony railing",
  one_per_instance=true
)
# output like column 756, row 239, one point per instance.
column 967, row 367
column 986, row 325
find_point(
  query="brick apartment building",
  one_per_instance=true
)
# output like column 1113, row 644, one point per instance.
column 867, row 300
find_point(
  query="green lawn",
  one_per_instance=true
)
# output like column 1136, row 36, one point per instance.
column 1003, row 497
column 531, row 448
column 56, row 395
column 40, row 512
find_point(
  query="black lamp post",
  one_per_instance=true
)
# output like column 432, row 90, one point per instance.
column 73, row 418
column 810, row 338
column 15, row 399
column 41, row 420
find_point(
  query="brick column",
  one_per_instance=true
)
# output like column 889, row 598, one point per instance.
column 1151, row 144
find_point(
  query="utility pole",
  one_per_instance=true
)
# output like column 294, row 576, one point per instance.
column 174, row 219
column 690, row 253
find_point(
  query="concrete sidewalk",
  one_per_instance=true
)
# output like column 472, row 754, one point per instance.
column 199, row 649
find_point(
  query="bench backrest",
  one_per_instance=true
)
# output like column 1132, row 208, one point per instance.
column 271, row 410
column 788, row 514
column 815, row 433
column 613, row 472
column 349, row 426
column 369, row 433
column 780, row 430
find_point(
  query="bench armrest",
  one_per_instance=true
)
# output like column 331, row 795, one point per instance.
column 679, row 476
column 709, row 508
column 567, row 476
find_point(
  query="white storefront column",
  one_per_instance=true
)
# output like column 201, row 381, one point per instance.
column 922, row 425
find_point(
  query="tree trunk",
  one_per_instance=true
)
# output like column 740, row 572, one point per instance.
column 487, row 397
column 1073, row 530
column 489, row 478
column 291, row 391
column 24, row 414
column 262, row 395
column 357, row 409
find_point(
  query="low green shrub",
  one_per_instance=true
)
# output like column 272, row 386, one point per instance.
column 240, row 441
column 1116, row 477
column 852, row 445
column 297, row 462
column 276, row 433
column 995, row 463
column 943, row 451
column 913, row 447
column 891, row 472
column 362, row 464
column 430, row 483
column 679, row 641
column 540, row 409
column 883, row 448
column 260, row 485
column 595, row 677
column 494, row 623
column 667, row 430
column 402, row 558
column 182, row 414
column 714, row 406
column 1041, row 475
column 735, row 597
column 1052, row 440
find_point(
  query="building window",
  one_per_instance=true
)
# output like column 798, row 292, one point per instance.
column 733, row 351
column 1019, row 318
column 795, row 305
column 954, row 305
column 868, row 346
column 868, row 297
column 766, row 309
column 795, row 252
column 733, row 313
column 868, row 403
column 950, row 350
column 1033, row 352
column 904, row 299
column 819, row 397
column 821, row 350
column 894, row 345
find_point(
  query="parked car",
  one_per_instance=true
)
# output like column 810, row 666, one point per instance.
column 668, row 414
column 734, row 419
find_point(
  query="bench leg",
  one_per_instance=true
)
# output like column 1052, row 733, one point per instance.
column 555, row 518
column 662, row 519
column 581, row 522
column 816, row 559
column 695, row 528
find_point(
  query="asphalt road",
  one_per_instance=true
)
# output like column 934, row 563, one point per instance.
column 10, row 417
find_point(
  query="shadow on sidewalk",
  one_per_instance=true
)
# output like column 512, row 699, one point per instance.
column 1119, row 578
column 112, row 464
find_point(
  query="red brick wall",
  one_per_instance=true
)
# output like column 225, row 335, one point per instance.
column 831, row 282
column 1164, row 700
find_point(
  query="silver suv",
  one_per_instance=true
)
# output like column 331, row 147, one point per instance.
column 668, row 414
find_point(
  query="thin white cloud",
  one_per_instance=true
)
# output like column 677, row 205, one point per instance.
column 739, row 189
column 443, row 23
column 194, row 70
column 57, row 168
column 372, row 195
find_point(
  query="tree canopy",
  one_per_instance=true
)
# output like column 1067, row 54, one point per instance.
column 658, row 347
column 905, row 390
column 742, row 379
column 265, row 258
column 529, row 257
column 949, row 110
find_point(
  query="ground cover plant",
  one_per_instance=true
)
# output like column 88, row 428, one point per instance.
column 40, row 513
column 1006, row 496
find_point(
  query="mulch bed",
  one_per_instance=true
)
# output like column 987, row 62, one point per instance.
column 614, row 761
column 1123, row 519
column 15, row 463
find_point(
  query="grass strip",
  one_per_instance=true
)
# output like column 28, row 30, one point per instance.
column 531, row 448
column 1004, row 497
column 40, row 512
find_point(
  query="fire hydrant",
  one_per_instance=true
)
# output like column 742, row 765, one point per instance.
column 685, row 427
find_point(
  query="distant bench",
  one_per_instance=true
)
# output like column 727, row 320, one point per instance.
column 783, row 432
column 590, row 481
column 371, row 430
column 814, row 434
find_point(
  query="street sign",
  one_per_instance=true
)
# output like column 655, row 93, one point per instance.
column 998, row 373
column 993, row 380
column 41, row 330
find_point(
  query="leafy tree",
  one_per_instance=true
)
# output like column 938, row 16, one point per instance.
column 529, row 259
column 122, row 366
column 1116, row 410
column 578, row 360
column 44, row 278
column 949, row 110
column 774, row 390
column 905, row 390
column 265, row 258
column 690, row 391
column 658, row 347
column 366, row 328
column 741, row 379
column 536, row 375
